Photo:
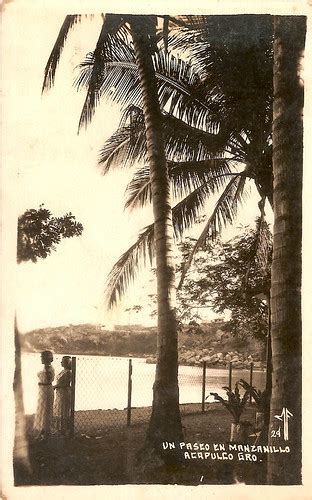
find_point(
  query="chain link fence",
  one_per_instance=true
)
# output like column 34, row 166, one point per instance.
column 117, row 392
column 113, row 392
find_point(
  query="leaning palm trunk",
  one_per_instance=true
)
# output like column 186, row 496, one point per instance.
column 165, row 423
column 285, row 468
column 22, row 468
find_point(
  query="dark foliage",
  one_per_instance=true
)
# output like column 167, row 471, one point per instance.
column 39, row 232
column 229, row 276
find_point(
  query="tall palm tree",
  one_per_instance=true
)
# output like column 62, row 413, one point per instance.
column 165, row 423
column 286, row 268
column 217, row 129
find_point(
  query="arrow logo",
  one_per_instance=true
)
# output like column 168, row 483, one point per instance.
column 284, row 417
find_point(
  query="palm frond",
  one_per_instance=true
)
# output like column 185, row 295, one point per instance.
column 259, row 397
column 185, row 178
column 139, row 191
column 50, row 69
column 112, row 35
column 235, row 404
column 128, row 265
column 118, row 78
column 224, row 213
column 184, row 142
column 245, row 398
column 183, row 215
column 125, row 270
column 186, row 212
column 128, row 144
column 123, row 64
column 224, row 402
column 181, row 91
column 189, row 175
column 233, row 56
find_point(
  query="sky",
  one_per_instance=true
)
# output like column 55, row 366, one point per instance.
column 49, row 163
column 55, row 166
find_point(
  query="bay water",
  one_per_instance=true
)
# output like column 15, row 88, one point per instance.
column 102, row 381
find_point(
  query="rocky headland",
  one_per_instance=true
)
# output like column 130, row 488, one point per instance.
column 209, row 342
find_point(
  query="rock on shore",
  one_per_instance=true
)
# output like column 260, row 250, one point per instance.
column 217, row 348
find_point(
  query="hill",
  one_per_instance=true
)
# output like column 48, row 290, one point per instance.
column 208, row 342
column 92, row 339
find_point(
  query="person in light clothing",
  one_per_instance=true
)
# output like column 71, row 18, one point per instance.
column 62, row 401
column 44, row 414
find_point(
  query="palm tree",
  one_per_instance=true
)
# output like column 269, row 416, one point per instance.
column 165, row 423
column 286, row 268
column 217, row 134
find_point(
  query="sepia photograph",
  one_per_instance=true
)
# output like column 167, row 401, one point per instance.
column 153, row 180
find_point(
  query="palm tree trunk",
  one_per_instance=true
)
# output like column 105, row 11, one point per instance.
column 289, row 38
column 22, row 468
column 268, row 383
column 165, row 423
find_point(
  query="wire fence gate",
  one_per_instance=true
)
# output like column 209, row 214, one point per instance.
column 121, row 394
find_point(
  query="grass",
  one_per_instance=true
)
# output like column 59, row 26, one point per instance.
column 111, row 457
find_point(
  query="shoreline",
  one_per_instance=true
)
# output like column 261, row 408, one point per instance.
column 146, row 357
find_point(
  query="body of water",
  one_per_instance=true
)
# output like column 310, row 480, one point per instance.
column 102, row 381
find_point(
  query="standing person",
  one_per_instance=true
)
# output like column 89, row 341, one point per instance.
column 44, row 414
column 63, row 397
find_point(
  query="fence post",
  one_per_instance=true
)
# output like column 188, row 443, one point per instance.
column 204, row 387
column 250, row 379
column 73, row 394
column 230, row 375
column 129, row 393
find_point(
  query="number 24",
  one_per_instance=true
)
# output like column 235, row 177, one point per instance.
column 276, row 433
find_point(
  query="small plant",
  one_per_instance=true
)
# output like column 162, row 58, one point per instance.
column 259, row 397
column 235, row 403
